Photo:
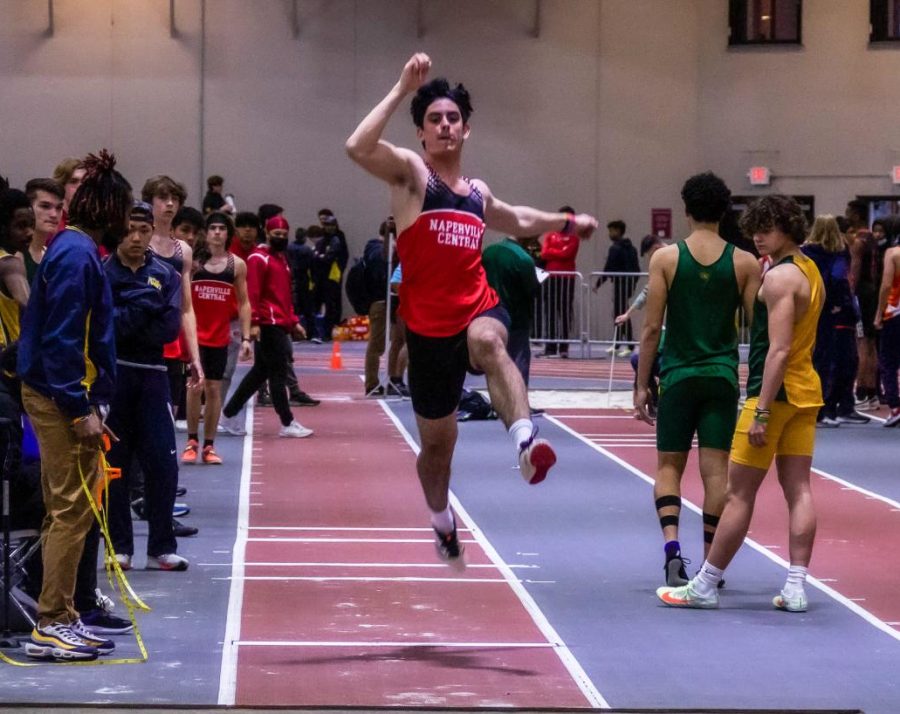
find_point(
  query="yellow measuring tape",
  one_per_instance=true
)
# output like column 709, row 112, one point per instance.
column 114, row 575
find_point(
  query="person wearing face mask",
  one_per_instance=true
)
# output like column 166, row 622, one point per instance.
column 273, row 321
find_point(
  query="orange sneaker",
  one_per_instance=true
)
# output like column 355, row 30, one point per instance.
column 189, row 455
column 210, row 456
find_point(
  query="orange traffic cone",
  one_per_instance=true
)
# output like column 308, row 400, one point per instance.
column 336, row 361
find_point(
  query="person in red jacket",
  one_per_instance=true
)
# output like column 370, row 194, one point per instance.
column 558, row 251
column 272, row 321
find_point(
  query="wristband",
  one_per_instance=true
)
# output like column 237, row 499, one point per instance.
column 245, row 339
column 761, row 416
column 78, row 420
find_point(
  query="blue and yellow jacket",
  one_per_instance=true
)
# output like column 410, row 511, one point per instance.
column 67, row 349
column 146, row 308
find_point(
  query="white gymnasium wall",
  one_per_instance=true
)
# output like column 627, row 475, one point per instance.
column 822, row 116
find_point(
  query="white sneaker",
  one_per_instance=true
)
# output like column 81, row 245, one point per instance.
column 893, row 419
column 536, row 457
column 167, row 561
column 624, row 352
column 610, row 349
column 123, row 560
column 181, row 425
column 233, row 425
column 295, row 430
column 797, row 603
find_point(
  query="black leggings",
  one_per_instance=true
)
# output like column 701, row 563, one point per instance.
column 271, row 361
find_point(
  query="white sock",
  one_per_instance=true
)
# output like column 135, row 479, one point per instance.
column 796, row 579
column 707, row 580
column 443, row 521
column 520, row 431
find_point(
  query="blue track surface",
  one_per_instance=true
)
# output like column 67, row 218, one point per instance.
column 591, row 530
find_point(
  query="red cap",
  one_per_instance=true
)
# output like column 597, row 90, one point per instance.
column 276, row 222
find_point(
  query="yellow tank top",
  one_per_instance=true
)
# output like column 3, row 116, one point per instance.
column 9, row 313
column 801, row 386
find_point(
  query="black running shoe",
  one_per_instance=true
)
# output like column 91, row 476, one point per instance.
column 179, row 530
column 302, row 399
column 676, row 575
column 449, row 549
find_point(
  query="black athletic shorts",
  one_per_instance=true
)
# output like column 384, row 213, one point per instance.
column 438, row 366
column 213, row 361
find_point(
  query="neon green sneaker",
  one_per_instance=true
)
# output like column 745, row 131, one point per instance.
column 685, row 596
column 797, row 603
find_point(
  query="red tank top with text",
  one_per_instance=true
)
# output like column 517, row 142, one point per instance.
column 444, row 285
column 215, row 304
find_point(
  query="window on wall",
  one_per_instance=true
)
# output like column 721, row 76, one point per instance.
column 884, row 20
column 765, row 22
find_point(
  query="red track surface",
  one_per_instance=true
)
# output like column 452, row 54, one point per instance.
column 863, row 566
column 358, row 473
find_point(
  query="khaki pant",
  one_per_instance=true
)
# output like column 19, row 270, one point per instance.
column 69, row 516
column 375, row 348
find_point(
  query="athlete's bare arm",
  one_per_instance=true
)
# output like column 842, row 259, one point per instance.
column 403, row 170
column 188, row 318
column 749, row 277
column 661, row 270
column 891, row 268
column 527, row 221
column 786, row 295
column 245, row 313
column 14, row 280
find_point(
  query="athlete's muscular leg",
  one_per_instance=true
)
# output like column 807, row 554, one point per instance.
column 714, row 474
column 743, row 483
column 487, row 352
column 669, row 469
column 213, row 390
column 793, row 475
column 438, row 437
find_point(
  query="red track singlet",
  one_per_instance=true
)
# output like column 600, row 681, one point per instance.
column 444, row 285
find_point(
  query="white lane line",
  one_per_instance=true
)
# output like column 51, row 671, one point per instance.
column 859, row 489
column 348, row 540
column 228, row 673
column 363, row 645
column 363, row 579
column 815, row 582
column 479, row 566
column 348, row 529
column 579, row 676
column 596, row 416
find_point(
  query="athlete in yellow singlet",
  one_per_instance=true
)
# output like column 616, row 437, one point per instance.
column 16, row 229
column 779, row 418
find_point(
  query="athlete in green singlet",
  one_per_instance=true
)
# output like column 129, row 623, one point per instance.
column 698, row 285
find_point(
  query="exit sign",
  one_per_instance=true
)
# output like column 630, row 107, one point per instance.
column 759, row 176
column 895, row 175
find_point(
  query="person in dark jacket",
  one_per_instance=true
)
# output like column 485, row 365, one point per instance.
column 376, row 276
column 622, row 258
column 67, row 363
column 147, row 295
column 331, row 258
column 835, row 355
column 300, row 257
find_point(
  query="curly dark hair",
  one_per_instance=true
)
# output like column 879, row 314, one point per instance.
column 779, row 212
column 440, row 89
column 706, row 197
column 103, row 200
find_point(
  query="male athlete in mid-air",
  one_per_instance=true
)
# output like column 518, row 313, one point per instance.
column 454, row 320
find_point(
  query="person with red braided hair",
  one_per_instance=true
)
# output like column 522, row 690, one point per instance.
column 272, row 323
column 67, row 363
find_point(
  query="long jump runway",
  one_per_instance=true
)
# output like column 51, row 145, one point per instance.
column 339, row 599
column 344, row 602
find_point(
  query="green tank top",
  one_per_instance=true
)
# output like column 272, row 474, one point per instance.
column 701, row 324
